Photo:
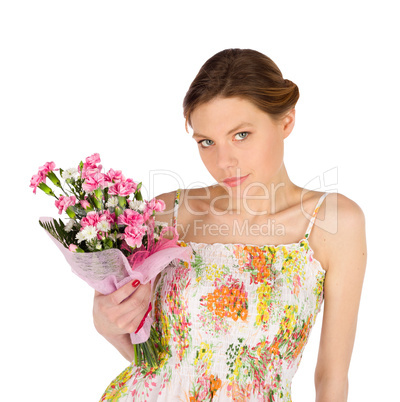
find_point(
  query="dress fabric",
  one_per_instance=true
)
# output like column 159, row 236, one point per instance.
column 235, row 323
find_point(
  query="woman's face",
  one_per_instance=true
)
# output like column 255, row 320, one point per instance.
column 240, row 145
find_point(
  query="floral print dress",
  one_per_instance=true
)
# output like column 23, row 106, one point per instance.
column 234, row 323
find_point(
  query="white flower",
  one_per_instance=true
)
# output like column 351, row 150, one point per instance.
column 103, row 226
column 112, row 202
column 137, row 205
column 159, row 223
column 89, row 233
column 69, row 225
column 80, row 237
column 71, row 173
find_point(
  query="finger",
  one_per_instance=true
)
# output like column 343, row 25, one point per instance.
column 135, row 306
column 137, row 301
column 124, row 292
column 131, row 321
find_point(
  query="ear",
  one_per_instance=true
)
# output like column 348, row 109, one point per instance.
column 288, row 122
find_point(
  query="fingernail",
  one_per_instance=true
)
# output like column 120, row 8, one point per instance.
column 143, row 319
column 135, row 283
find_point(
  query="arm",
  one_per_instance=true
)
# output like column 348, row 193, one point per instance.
column 118, row 314
column 347, row 256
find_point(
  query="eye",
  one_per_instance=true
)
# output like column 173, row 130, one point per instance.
column 241, row 136
column 206, row 143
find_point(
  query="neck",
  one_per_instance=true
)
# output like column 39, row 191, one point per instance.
column 261, row 199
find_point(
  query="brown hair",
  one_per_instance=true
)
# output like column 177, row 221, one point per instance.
column 243, row 73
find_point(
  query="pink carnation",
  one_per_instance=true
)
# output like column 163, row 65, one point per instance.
column 94, row 182
column 108, row 216
column 123, row 188
column 151, row 206
column 91, row 219
column 91, row 171
column 90, row 167
column 92, row 160
column 85, row 204
column 114, row 176
column 156, row 205
column 36, row 180
column 131, row 218
column 64, row 202
column 46, row 168
column 41, row 176
column 134, row 235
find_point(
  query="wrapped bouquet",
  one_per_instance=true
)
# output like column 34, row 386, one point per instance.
column 111, row 236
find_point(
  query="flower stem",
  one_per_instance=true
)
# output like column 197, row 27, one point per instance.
column 149, row 352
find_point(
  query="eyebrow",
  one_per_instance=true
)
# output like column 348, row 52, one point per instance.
column 238, row 127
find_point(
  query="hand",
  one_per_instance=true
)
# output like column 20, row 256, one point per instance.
column 122, row 311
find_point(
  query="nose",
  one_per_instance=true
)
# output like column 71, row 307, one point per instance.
column 226, row 157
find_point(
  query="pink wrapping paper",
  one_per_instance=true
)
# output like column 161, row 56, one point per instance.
column 108, row 270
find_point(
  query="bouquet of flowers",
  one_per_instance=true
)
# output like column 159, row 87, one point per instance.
column 111, row 236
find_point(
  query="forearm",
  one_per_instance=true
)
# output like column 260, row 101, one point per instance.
column 329, row 390
column 123, row 344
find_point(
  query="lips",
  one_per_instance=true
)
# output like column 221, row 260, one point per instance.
column 235, row 181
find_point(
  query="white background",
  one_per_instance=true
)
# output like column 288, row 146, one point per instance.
column 80, row 77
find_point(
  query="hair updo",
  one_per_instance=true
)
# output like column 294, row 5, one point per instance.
column 243, row 73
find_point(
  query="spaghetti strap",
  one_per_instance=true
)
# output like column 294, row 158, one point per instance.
column 176, row 206
column 311, row 224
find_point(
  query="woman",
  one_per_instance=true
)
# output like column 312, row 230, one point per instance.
column 236, row 321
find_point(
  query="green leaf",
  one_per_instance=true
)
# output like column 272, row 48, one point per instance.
column 70, row 212
column 97, row 203
column 121, row 201
column 108, row 243
column 55, row 230
column 98, row 193
column 105, row 195
column 118, row 211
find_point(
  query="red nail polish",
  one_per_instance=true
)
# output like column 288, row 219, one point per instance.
column 144, row 319
column 135, row 283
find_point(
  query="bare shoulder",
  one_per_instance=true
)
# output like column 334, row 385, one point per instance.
column 344, row 217
column 344, row 229
column 195, row 201
column 192, row 202
column 349, row 208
